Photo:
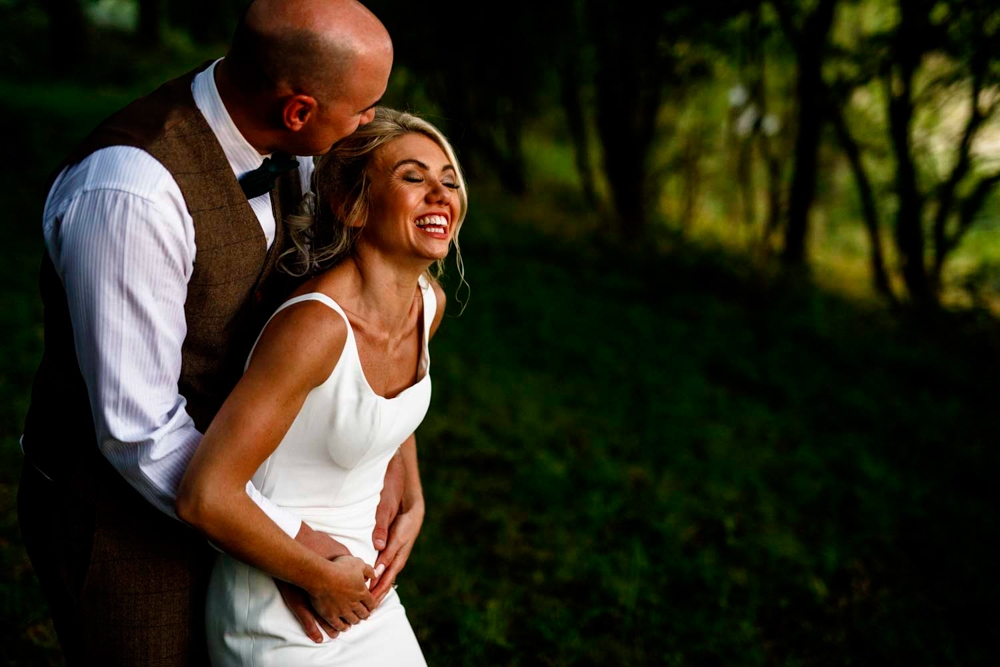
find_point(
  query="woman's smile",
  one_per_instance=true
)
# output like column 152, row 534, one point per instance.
column 434, row 225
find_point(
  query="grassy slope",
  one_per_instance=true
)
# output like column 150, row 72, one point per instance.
column 645, row 458
column 666, row 462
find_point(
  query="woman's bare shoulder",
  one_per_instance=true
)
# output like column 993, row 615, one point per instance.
column 304, row 340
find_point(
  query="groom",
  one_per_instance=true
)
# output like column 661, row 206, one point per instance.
column 161, row 266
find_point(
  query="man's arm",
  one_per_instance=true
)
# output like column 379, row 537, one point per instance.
column 119, row 235
column 390, row 500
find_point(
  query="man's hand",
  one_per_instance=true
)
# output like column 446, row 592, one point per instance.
column 399, row 530
column 388, row 504
column 402, row 534
column 297, row 600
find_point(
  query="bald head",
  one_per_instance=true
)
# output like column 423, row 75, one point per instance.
column 305, row 46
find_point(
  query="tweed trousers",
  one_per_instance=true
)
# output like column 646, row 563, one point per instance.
column 125, row 583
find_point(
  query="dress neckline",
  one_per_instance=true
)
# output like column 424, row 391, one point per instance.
column 423, row 362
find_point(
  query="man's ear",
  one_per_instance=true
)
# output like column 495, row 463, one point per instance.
column 297, row 111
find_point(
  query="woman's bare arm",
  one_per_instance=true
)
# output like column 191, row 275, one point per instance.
column 297, row 352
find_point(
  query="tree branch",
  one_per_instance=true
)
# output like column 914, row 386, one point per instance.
column 787, row 20
column 851, row 149
column 968, row 208
column 946, row 191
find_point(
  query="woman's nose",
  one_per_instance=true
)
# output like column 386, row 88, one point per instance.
column 439, row 193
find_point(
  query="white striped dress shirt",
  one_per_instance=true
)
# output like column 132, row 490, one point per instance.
column 122, row 241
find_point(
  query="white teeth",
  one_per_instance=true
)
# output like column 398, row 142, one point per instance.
column 433, row 223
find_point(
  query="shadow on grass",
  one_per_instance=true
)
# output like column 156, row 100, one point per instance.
column 648, row 457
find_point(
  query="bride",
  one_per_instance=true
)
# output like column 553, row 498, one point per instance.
column 338, row 381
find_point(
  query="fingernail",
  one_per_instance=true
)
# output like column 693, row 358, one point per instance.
column 380, row 544
column 380, row 569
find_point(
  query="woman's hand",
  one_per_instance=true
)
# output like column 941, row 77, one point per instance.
column 296, row 599
column 342, row 599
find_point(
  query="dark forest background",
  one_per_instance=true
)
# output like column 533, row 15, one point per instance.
column 725, row 388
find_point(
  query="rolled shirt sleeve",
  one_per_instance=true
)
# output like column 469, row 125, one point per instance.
column 121, row 238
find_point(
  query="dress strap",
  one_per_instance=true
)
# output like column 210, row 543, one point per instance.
column 311, row 296
column 430, row 304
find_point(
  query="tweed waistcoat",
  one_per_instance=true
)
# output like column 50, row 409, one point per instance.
column 233, row 288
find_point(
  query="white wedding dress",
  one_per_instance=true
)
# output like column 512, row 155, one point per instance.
column 328, row 470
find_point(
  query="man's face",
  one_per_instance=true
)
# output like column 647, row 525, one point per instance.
column 341, row 114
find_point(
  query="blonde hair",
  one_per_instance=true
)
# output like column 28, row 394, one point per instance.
column 327, row 227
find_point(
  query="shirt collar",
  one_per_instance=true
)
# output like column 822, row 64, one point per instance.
column 241, row 155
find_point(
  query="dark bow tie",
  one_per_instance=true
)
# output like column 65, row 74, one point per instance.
column 262, row 179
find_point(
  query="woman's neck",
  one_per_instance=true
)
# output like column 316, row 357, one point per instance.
column 383, row 290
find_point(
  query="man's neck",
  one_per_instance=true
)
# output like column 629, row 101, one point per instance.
column 243, row 110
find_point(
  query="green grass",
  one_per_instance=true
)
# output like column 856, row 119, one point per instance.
column 668, row 463
column 657, row 457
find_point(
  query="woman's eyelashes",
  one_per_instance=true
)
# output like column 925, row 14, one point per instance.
column 416, row 178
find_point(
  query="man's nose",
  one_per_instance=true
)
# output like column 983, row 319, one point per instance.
column 367, row 116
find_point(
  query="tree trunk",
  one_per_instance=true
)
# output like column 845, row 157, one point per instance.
column 691, row 174
column 499, row 148
column 810, row 48
column 207, row 22
column 765, row 147
column 909, row 233
column 514, row 177
column 629, row 79
column 947, row 193
column 150, row 33
column 569, row 91
column 968, row 209
column 744, row 175
column 68, row 43
column 774, row 194
column 880, row 277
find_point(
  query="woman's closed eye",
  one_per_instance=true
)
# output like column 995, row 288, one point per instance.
column 414, row 178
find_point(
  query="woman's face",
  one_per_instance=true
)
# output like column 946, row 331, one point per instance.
column 414, row 199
